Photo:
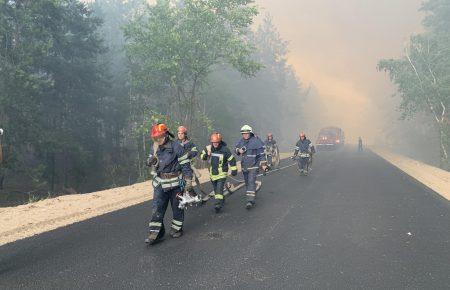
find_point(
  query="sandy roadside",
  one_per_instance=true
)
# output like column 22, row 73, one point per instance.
column 434, row 178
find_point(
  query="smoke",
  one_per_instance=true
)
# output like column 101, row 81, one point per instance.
column 336, row 45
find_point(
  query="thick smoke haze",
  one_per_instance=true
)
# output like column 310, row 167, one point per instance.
column 335, row 46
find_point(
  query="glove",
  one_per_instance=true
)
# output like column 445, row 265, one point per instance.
column 242, row 150
column 151, row 160
column 293, row 157
column 208, row 150
column 233, row 172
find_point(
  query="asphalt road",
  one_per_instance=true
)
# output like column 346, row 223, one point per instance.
column 355, row 222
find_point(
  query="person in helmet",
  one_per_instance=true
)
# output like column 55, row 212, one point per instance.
column 190, row 152
column 220, row 161
column 168, row 173
column 270, row 146
column 251, row 150
column 305, row 147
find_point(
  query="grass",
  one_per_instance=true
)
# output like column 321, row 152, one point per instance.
column 35, row 198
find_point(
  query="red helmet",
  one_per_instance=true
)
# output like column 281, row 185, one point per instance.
column 182, row 129
column 216, row 138
column 159, row 130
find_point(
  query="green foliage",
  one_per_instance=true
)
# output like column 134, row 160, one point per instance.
column 422, row 75
column 438, row 15
column 271, row 101
column 51, row 88
column 81, row 85
column 173, row 46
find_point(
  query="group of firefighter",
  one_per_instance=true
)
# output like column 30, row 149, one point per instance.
column 173, row 173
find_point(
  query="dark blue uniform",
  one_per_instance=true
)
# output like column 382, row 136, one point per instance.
column 167, row 181
column 270, row 148
column 189, row 148
column 305, row 147
column 252, row 158
column 270, row 142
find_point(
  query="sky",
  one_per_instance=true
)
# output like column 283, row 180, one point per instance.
column 335, row 45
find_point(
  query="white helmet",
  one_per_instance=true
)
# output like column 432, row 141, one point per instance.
column 246, row 129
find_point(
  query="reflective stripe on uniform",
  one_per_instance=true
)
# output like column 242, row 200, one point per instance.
column 230, row 158
column 221, row 174
column 170, row 185
column 233, row 167
column 176, row 227
column 184, row 157
column 218, row 176
column 155, row 224
column 250, row 155
column 177, row 222
column 166, row 183
column 218, row 196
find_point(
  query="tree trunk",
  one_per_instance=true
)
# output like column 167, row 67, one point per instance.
column 2, row 180
column 52, row 187
column 444, row 152
column 1, row 152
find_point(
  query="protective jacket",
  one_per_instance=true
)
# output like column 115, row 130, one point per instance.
column 304, row 146
column 170, row 165
column 221, row 160
column 189, row 148
column 254, row 155
column 270, row 142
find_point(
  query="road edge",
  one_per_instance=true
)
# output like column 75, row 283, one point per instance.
column 436, row 179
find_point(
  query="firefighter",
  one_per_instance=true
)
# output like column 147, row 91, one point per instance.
column 305, row 147
column 190, row 151
column 220, row 161
column 270, row 145
column 270, row 141
column 251, row 150
column 168, row 173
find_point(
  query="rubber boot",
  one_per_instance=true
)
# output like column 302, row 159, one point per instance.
column 155, row 237
column 249, row 205
column 219, row 205
column 176, row 234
